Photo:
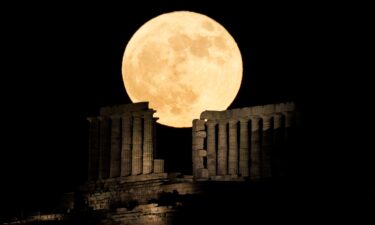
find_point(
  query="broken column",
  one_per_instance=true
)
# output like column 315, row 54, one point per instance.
column 211, row 147
column 126, row 146
column 233, row 148
column 255, row 149
column 222, row 149
column 198, row 135
column 115, row 154
column 244, row 148
column 137, row 144
column 148, row 158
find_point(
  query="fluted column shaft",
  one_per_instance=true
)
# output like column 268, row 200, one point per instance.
column 93, row 163
column 244, row 148
column 255, row 149
column 104, row 148
column 148, row 158
column 137, row 145
column 266, row 147
column 222, row 149
column 115, row 154
column 211, row 147
column 126, row 148
column 233, row 148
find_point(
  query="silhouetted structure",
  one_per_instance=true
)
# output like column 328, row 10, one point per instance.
column 234, row 152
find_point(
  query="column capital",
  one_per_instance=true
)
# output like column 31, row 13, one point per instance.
column 211, row 123
column 266, row 116
column 137, row 114
column 149, row 113
column 115, row 116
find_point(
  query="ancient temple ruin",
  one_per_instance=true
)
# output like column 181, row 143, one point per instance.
column 122, row 142
column 231, row 151
column 236, row 144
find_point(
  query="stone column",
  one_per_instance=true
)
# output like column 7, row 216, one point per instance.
column 233, row 148
column 115, row 156
column 222, row 149
column 126, row 148
column 198, row 136
column 148, row 151
column 93, row 162
column 104, row 148
column 137, row 144
column 266, row 147
column 244, row 148
column 211, row 147
column 255, row 149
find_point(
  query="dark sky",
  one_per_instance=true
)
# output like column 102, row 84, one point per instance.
column 64, row 62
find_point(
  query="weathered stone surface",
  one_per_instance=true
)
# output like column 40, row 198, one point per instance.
column 233, row 148
column 137, row 145
column 148, row 151
column 115, row 162
column 211, row 147
column 201, row 134
column 222, row 154
column 202, row 174
column 198, row 125
column 202, row 153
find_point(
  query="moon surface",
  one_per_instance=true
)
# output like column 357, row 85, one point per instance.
column 182, row 63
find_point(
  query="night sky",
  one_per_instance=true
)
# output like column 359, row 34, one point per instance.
column 63, row 62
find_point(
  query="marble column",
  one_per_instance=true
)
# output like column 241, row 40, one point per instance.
column 126, row 146
column 137, row 144
column 211, row 147
column 148, row 151
column 266, row 147
column 255, row 149
column 222, row 158
column 115, row 154
column 93, row 163
column 198, row 136
column 233, row 148
column 104, row 148
column 244, row 148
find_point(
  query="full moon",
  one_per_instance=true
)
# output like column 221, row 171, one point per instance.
column 182, row 63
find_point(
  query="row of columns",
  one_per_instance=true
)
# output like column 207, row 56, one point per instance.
column 238, row 159
column 122, row 145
